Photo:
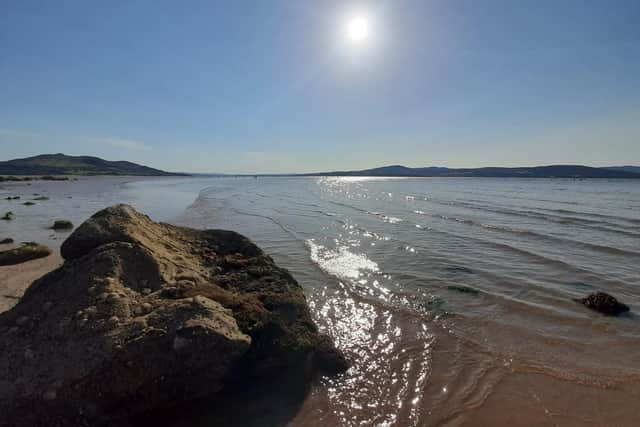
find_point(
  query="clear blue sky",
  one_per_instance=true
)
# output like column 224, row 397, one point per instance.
column 276, row 86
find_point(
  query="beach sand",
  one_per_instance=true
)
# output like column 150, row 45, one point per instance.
column 15, row 279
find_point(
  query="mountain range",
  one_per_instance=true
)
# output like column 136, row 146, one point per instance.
column 61, row 164
column 554, row 171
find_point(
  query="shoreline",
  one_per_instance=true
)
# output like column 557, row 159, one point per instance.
column 15, row 279
column 492, row 372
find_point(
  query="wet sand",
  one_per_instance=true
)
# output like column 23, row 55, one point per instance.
column 14, row 279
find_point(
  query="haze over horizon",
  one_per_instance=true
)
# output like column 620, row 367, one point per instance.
column 295, row 87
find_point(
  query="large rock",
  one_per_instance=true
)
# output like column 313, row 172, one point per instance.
column 143, row 316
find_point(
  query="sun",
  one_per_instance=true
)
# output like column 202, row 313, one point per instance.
column 358, row 29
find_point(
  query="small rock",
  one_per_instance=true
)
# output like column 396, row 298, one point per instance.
column 27, row 252
column 604, row 303
column 146, row 291
column 6, row 241
column 9, row 216
column 47, row 306
column 464, row 289
column 103, row 296
column 113, row 297
column 28, row 354
column 62, row 224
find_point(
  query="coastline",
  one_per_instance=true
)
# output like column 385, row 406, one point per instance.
column 483, row 384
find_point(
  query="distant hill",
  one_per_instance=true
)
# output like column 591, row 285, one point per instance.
column 632, row 169
column 60, row 164
column 556, row 171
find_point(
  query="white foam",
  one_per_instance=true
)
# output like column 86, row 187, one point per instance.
column 341, row 262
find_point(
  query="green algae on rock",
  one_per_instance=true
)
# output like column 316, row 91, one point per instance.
column 27, row 252
column 62, row 224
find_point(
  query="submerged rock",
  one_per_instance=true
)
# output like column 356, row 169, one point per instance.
column 26, row 252
column 464, row 289
column 9, row 216
column 62, row 224
column 6, row 241
column 604, row 303
column 144, row 316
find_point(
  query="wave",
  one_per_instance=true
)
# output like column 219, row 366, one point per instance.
column 498, row 228
column 605, row 226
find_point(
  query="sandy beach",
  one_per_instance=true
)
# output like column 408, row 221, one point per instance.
column 14, row 279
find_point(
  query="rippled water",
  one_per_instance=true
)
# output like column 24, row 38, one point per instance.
column 454, row 298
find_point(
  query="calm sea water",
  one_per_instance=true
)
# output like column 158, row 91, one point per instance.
column 453, row 297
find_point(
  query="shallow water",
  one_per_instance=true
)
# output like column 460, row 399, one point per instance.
column 453, row 297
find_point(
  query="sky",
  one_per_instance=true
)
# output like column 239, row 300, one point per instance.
column 257, row 86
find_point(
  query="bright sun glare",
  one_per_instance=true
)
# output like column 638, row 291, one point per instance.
column 358, row 29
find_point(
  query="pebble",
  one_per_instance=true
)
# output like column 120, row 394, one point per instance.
column 47, row 306
column 103, row 296
column 146, row 291
column 113, row 297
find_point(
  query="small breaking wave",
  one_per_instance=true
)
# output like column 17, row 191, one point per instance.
column 341, row 262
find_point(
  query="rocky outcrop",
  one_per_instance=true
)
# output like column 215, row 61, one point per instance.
column 604, row 303
column 144, row 316
column 26, row 252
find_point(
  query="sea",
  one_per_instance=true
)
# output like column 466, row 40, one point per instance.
column 453, row 298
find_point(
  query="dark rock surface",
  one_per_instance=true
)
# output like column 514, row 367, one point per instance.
column 26, row 252
column 145, row 317
column 6, row 241
column 604, row 303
